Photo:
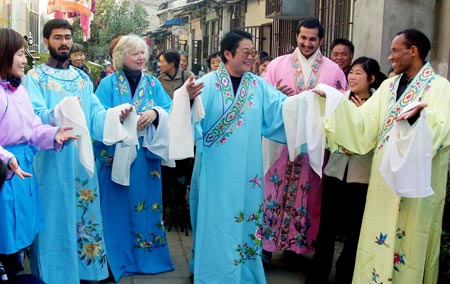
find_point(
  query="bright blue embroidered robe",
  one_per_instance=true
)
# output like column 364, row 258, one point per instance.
column 132, row 215
column 226, row 197
column 71, row 246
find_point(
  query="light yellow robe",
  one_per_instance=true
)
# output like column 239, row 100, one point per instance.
column 400, row 237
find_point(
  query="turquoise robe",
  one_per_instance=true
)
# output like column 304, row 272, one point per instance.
column 71, row 247
column 134, row 235
column 226, row 197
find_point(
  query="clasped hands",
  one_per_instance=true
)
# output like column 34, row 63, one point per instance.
column 404, row 116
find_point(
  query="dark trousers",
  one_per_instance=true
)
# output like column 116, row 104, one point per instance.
column 13, row 263
column 341, row 213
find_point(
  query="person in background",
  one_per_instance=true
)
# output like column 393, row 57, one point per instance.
column 71, row 247
column 109, row 69
column 174, row 180
column 292, row 189
column 342, row 51
column 344, row 189
column 226, row 201
column 22, row 135
column 183, row 60
column 391, row 73
column 77, row 58
column 213, row 61
column 400, row 236
column 263, row 63
column 256, row 61
column 140, row 245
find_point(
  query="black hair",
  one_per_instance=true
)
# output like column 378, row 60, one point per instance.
column 418, row 39
column 372, row 68
column 10, row 42
column 3, row 173
column 171, row 56
column 311, row 23
column 210, row 57
column 231, row 42
column 76, row 47
column 264, row 59
column 345, row 42
column 56, row 24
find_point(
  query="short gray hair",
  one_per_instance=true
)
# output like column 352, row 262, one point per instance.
column 125, row 45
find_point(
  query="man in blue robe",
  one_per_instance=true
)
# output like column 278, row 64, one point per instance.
column 226, row 196
column 71, row 247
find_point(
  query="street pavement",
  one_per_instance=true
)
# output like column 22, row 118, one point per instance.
column 180, row 247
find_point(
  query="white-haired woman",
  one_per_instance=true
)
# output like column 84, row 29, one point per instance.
column 135, row 239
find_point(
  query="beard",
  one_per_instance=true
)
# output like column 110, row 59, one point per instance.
column 59, row 57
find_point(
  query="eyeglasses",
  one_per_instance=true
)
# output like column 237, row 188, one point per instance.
column 61, row 37
column 246, row 52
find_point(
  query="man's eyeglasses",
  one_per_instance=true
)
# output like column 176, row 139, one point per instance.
column 60, row 37
column 246, row 52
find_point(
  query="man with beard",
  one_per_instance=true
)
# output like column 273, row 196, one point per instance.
column 71, row 247
column 292, row 190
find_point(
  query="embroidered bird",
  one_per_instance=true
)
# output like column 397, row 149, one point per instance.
column 256, row 181
column 156, row 174
column 381, row 240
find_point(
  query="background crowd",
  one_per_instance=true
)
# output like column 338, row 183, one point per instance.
column 84, row 211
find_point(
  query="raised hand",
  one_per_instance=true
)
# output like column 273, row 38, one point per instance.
column 194, row 89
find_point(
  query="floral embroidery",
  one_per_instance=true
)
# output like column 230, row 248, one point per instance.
column 140, row 206
column 299, row 80
column 381, row 240
column 399, row 258
column 144, row 100
column 375, row 277
column 235, row 108
column 250, row 251
column 280, row 215
column 89, row 237
column 256, row 181
column 414, row 91
column 399, row 233
column 150, row 244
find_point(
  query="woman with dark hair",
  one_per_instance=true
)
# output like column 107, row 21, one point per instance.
column 77, row 58
column 22, row 133
column 174, row 180
column 172, row 76
column 213, row 61
column 345, row 184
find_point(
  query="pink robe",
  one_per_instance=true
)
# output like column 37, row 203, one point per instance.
column 292, row 190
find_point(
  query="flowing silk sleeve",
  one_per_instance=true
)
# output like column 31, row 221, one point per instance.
column 354, row 128
column 437, row 96
column 272, row 119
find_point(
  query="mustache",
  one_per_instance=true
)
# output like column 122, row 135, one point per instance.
column 63, row 47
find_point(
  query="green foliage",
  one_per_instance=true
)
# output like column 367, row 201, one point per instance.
column 110, row 20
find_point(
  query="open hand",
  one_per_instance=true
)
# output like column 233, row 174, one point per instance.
column 285, row 89
column 125, row 112
column 63, row 136
column 194, row 89
column 412, row 112
column 14, row 166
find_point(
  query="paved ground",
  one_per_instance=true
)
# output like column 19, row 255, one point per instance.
column 180, row 248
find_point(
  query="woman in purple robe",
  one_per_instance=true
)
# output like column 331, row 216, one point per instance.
column 22, row 134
